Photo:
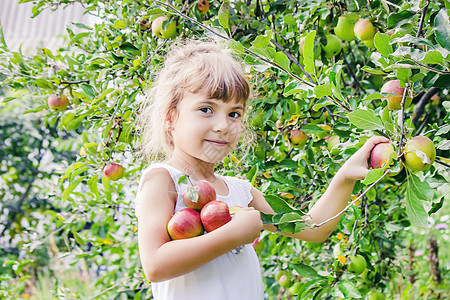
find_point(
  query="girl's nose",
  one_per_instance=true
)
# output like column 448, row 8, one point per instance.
column 221, row 124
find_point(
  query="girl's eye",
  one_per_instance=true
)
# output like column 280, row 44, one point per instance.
column 235, row 115
column 206, row 110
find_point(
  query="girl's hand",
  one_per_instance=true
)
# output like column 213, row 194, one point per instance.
column 357, row 166
column 247, row 225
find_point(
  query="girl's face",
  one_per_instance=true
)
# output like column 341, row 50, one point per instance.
column 206, row 129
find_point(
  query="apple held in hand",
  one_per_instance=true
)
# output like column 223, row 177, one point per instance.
column 395, row 100
column 113, row 171
column 58, row 103
column 419, row 153
column 364, row 29
column 163, row 29
column 298, row 138
column 197, row 196
column 214, row 215
column 234, row 209
column 185, row 224
column 382, row 154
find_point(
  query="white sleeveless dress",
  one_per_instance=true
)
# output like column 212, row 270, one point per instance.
column 236, row 275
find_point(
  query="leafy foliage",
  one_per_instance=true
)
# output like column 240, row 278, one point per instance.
column 72, row 214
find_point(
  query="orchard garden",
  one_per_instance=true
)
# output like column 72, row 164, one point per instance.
column 326, row 76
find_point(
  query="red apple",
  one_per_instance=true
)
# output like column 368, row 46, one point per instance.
column 197, row 196
column 382, row 154
column 258, row 245
column 57, row 103
column 203, row 6
column 364, row 29
column 298, row 138
column 395, row 100
column 214, row 215
column 185, row 224
column 113, row 171
column 419, row 153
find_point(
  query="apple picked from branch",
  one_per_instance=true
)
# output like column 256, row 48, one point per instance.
column 382, row 155
column 214, row 215
column 197, row 195
column 184, row 224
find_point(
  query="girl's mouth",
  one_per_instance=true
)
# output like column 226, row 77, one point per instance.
column 217, row 142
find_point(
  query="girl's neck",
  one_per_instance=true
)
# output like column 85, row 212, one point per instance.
column 196, row 169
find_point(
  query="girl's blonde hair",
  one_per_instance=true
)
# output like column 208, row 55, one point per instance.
column 190, row 66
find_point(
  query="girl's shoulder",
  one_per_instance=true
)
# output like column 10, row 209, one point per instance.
column 240, row 186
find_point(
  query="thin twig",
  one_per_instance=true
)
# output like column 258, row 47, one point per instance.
column 292, row 59
column 422, row 19
column 402, row 120
column 351, row 203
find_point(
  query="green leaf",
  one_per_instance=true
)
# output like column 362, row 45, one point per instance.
column 306, row 271
column 71, row 187
column 278, row 204
column 372, row 176
column 416, row 191
column 119, row 24
column 372, row 96
column 365, row 119
column 308, row 52
column 373, row 71
column 444, row 145
column 433, row 57
column 45, row 84
column 323, row 90
column 92, row 183
column 224, row 14
column 382, row 43
column 281, row 59
column 262, row 41
column 349, row 289
column 442, row 29
column 397, row 19
column 88, row 90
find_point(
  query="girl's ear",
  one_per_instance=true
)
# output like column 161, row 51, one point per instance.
column 170, row 119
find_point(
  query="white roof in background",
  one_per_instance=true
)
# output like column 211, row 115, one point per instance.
column 44, row 30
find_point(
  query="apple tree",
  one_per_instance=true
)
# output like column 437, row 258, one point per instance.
column 326, row 76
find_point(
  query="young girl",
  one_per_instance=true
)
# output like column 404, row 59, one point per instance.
column 192, row 120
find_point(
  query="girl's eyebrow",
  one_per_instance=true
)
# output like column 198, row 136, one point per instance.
column 213, row 103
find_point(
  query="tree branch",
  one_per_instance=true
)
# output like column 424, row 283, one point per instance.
column 420, row 106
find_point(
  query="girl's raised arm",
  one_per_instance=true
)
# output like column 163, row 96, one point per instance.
column 333, row 200
column 163, row 258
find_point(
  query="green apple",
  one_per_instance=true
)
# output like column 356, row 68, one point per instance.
column 372, row 295
column 298, row 138
column 395, row 95
column 364, row 29
column 357, row 264
column 419, row 153
column 333, row 46
column 163, row 29
column 295, row 288
column 344, row 27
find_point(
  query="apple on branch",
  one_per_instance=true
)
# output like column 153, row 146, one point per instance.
column 186, row 223
column 164, row 28
column 203, row 6
column 58, row 103
column 199, row 194
column 364, row 29
column 345, row 25
column 333, row 46
column 419, row 153
column 113, row 171
column 298, row 138
column 395, row 95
